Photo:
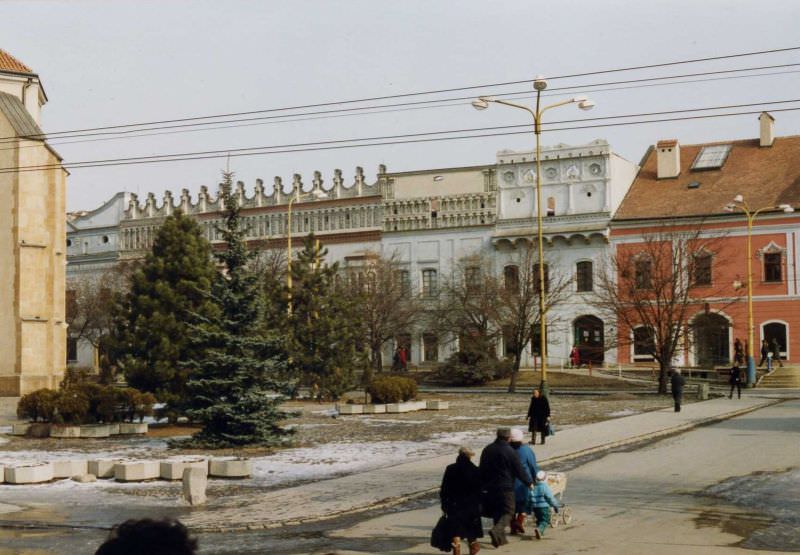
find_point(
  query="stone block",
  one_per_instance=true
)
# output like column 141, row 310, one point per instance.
column 350, row 409
column 84, row 478
column 133, row 428
column 419, row 405
column 195, row 481
column 136, row 471
column 173, row 469
column 39, row 430
column 103, row 468
column 33, row 473
column 230, row 468
column 69, row 468
column 395, row 408
column 702, row 391
column 65, row 431
column 95, row 430
column 2, row 473
column 435, row 404
column 113, row 429
column 374, row 409
column 20, row 428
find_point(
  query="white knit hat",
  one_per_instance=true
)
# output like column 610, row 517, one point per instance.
column 516, row 434
column 541, row 476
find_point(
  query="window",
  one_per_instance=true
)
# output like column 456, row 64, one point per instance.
column 69, row 242
column 551, row 206
column 584, row 277
column 72, row 349
column 430, row 347
column 511, row 278
column 643, row 343
column 772, row 267
column 430, row 285
column 472, row 278
column 711, row 157
column 643, row 277
column 509, row 342
column 403, row 277
column 546, row 277
column 701, row 269
column 105, row 239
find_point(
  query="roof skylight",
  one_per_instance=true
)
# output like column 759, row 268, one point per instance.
column 711, row 157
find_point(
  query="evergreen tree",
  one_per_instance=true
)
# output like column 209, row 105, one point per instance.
column 235, row 383
column 326, row 327
column 149, row 338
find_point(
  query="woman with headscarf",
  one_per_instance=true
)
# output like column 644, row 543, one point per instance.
column 461, row 497
column 528, row 460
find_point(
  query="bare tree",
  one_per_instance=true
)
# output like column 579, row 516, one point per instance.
column 652, row 288
column 518, row 313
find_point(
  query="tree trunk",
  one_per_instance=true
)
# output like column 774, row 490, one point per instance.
column 377, row 359
column 662, row 378
column 512, row 382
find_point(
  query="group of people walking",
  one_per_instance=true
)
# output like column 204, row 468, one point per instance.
column 506, row 486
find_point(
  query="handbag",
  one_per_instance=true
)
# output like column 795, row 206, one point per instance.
column 440, row 537
column 550, row 431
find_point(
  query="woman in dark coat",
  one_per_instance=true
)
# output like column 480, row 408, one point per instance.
column 538, row 415
column 461, row 496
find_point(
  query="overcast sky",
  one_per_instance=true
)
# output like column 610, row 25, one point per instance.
column 114, row 62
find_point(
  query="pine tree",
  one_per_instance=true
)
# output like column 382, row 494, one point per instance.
column 234, row 385
column 150, row 337
column 326, row 328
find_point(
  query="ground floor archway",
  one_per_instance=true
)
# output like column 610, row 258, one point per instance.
column 588, row 334
column 711, row 339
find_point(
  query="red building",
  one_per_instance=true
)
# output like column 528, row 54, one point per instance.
column 692, row 201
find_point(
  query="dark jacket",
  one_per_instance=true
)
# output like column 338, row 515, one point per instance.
column 461, row 497
column 677, row 382
column 538, row 413
column 499, row 467
column 735, row 376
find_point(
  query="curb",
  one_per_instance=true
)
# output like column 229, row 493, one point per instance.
column 394, row 501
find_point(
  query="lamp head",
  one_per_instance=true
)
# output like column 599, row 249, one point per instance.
column 586, row 104
column 481, row 103
column 788, row 208
column 539, row 83
column 580, row 98
column 730, row 207
column 738, row 198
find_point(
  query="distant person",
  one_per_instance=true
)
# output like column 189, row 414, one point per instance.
column 403, row 358
column 460, row 495
column 527, row 459
column 575, row 357
column 677, row 382
column 540, row 501
column 396, row 360
column 499, row 467
column 538, row 415
column 738, row 352
column 776, row 352
column 764, row 352
column 735, row 379
column 149, row 537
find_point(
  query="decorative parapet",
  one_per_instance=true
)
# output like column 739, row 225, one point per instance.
column 473, row 209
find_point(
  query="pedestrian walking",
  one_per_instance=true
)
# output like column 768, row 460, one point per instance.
column 735, row 380
column 540, row 500
column 499, row 467
column 538, row 415
column 460, row 495
column 575, row 357
column 738, row 352
column 527, row 459
column 403, row 359
column 764, row 352
column 776, row 352
column 677, row 382
column 147, row 535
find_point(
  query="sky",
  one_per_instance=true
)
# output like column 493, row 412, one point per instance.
column 119, row 62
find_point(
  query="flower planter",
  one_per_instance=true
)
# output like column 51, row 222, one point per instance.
column 103, row 468
column 437, row 405
column 65, row 431
column 132, row 428
column 230, row 468
column 34, row 473
column 173, row 470
column 113, row 429
column 69, row 468
column 20, row 428
column 136, row 471
column 350, row 409
column 395, row 408
column 95, row 430
column 374, row 409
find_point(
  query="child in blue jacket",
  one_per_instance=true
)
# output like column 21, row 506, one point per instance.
column 540, row 500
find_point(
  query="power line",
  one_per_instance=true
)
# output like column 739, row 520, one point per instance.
column 418, row 93
column 385, row 140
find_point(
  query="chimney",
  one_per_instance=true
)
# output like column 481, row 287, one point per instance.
column 668, row 160
column 767, row 135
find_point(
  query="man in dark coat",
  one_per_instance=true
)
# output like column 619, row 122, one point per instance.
column 677, row 382
column 461, row 501
column 538, row 415
column 499, row 467
column 735, row 379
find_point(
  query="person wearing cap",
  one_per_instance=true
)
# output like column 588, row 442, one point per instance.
column 528, row 460
column 677, row 381
column 539, row 502
column 461, row 501
column 499, row 466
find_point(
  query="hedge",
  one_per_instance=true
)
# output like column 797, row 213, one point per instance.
column 392, row 389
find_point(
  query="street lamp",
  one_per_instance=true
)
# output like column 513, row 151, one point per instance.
column 739, row 202
column 481, row 103
column 315, row 194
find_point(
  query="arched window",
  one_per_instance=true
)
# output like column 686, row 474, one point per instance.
column 700, row 269
column 584, row 278
column 511, row 277
column 430, row 347
column 777, row 331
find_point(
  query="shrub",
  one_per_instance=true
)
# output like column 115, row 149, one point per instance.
column 465, row 368
column 38, row 405
column 392, row 389
column 72, row 407
column 134, row 404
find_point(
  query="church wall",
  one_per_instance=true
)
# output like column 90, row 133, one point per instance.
column 9, row 310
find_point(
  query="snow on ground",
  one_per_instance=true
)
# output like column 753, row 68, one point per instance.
column 623, row 412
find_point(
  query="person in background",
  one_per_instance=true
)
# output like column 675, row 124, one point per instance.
column 735, row 380
column 540, row 500
column 149, row 537
column 538, row 415
column 776, row 352
column 738, row 352
column 764, row 352
column 677, row 381
column 461, row 501
column 528, row 460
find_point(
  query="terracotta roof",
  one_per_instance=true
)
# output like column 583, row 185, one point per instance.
column 763, row 175
column 10, row 63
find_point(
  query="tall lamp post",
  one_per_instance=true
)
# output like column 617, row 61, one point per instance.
column 539, row 84
column 316, row 194
column 750, row 214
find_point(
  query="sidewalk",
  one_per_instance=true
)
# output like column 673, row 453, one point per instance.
column 389, row 486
